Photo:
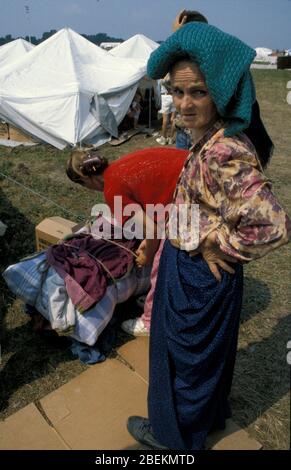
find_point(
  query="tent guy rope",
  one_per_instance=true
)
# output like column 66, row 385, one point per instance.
column 78, row 216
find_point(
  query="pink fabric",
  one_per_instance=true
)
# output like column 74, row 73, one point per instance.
column 147, row 314
column 81, row 260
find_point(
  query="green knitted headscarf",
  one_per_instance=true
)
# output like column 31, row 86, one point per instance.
column 223, row 59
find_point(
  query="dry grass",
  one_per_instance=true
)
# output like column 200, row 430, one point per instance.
column 261, row 389
column 32, row 367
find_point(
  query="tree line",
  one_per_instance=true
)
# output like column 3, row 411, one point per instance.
column 95, row 38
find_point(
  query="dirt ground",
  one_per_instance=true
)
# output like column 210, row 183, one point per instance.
column 31, row 367
column 7, row 131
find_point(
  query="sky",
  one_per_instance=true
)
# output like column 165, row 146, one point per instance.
column 260, row 23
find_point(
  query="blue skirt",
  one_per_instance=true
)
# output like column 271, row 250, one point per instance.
column 193, row 342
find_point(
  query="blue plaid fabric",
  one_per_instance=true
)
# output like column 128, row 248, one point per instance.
column 27, row 280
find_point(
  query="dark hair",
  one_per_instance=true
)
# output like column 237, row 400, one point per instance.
column 82, row 164
column 259, row 137
column 138, row 92
column 192, row 15
column 93, row 164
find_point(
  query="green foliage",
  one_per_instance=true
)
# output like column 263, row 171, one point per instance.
column 95, row 38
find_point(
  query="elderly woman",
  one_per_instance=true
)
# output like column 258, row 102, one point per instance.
column 196, row 310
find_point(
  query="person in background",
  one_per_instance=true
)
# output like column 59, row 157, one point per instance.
column 147, row 176
column 183, row 135
column 140, row 326
column 198, row 295
column 168, row 113
column 135, row 109
column 186, row 16
column 171, row 120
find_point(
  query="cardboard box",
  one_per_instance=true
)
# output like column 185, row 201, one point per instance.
column 90, row 411
column 51, row 230
column 27, row 429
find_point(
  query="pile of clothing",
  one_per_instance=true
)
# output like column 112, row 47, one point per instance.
column 76, row 284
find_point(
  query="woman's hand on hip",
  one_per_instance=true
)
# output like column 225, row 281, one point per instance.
column 214, row 257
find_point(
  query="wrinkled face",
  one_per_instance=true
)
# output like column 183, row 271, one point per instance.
column 191, row 97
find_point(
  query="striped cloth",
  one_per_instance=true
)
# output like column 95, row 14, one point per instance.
column 30, row 279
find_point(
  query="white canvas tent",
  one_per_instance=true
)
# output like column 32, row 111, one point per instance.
column 137, row 47
column 14, row 50
column 140, row 47
column 67, row 90
column 263, row 54
column 109, row 45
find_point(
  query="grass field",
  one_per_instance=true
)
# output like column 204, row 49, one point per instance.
column 31, row 368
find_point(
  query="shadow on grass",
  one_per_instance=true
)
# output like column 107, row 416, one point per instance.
column 257, row 297
column 16, row 243
column 262, row 375
column 29, row 356
column 26, row 355
column 32, row 356
column 261, row 371
column 122, row 312
column 18, row 240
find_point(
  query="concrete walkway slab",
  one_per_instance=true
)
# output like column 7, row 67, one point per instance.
column 90, row 411
column 28, row 430
column 232, row 438
column 136, row 353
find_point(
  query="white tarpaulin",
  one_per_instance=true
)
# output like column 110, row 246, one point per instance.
column 138, row 47
column 14, row 50
column 263, row 54
column 68, row 90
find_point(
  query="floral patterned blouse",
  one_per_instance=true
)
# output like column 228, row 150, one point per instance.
column 224, row 177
